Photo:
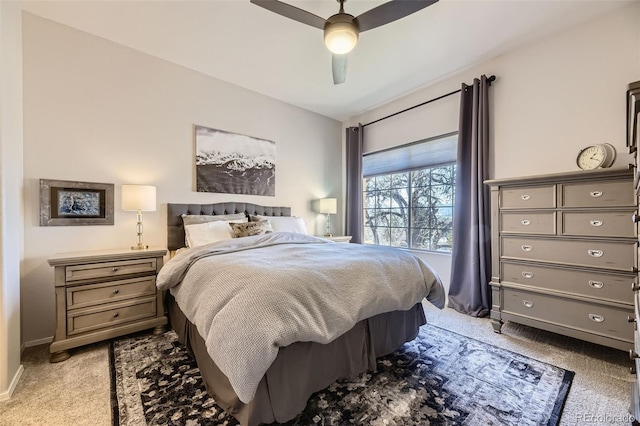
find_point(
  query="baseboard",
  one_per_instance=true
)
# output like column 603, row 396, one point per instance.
column 4, row 396
column 38, row 342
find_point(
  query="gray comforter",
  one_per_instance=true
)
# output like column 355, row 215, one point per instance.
column 250, row 296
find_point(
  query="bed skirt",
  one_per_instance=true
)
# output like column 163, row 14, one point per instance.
column 302, row 368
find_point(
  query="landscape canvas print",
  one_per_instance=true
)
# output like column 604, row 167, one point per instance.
column 234, row 164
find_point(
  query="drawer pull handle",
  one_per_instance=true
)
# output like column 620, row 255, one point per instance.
column 115, row 269
column 596, row 222
column 635, row 218
column 116, row 291
column 527, row 303
column 526, row 247
column 525, row 197
column 596, row 194
column 630, row 318
column 116, row 315
column 527, row 275
column 596, row 318
column 635, row 286
column 633, row 354
column 595, row 253
column 596, row 284
column 526, row 222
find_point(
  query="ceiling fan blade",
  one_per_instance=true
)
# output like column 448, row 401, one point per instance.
column 389, row 12
column 339, row 67
column 291, row 12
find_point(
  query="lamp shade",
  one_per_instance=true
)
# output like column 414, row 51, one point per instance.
column 328, row 206
column 139, row 197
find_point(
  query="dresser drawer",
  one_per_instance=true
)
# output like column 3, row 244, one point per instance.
column 535, row 197
column 105, row 316
column 599, row 254
column 110, row 269
column 599, row 285
column 113, row 291
column 528, row 222
column 598, row 194
column 602, row 320
column 599, row 224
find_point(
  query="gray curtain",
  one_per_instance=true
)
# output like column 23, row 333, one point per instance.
column 469, row 291
column 354, row 207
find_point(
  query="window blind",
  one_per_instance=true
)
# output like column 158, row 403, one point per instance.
column 416, row 155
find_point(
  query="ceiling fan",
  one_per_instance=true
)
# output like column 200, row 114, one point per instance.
column 342, row 29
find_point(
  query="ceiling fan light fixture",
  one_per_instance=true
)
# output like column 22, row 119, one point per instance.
column 342, row 29
column 340, row 37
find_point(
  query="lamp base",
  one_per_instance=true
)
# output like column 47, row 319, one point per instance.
column 327, row 231
column 140, row 247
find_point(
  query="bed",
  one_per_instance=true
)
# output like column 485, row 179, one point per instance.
column 299, row 367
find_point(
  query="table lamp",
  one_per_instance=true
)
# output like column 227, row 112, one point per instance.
column 328, row 206
column 139, row 198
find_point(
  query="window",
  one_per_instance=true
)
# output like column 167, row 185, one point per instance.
column 409, row 201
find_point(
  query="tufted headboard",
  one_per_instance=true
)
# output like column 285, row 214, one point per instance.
column 175, row 228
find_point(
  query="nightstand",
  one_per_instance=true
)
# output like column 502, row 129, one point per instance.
column 340, row 238
column 105, row 294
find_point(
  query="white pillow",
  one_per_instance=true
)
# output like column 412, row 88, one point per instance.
column 285, row 223
column 208, row 232
column 194, row 219
column 187, row 243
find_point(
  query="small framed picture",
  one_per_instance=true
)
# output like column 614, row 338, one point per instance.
column 64, row 203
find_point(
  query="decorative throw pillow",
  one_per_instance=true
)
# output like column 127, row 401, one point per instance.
column 284, row 223
column 194, row 219
column 251, row 228
column 207, row 233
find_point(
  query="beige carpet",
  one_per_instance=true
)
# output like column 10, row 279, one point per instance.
column 76, row 391
column 73, row 392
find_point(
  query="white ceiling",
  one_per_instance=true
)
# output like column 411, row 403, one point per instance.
column 246, row 45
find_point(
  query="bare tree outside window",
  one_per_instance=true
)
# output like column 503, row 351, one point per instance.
column 412, row 209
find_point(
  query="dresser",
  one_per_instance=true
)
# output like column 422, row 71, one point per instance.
column 565, row 254
column 633, row 140
column 104, row 294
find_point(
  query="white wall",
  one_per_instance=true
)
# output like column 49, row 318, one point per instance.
column 97, row 111
column 10, row 195
column 550, row 99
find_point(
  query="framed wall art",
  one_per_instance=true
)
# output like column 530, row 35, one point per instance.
column 234, row 164
column 64, row 203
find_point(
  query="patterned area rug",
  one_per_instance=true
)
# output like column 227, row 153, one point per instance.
column 440, row 378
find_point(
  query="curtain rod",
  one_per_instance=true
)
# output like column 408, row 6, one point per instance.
column 490, row 79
